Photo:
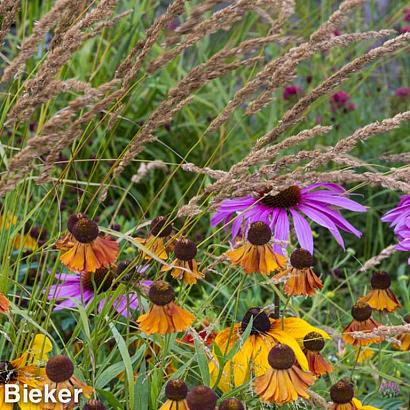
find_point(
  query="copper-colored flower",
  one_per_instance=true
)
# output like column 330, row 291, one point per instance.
column 164, row 315
column 381, row 296
column 342, row 395
column 257, row 254
column 160, row 229
column 185, row 266
column 313, row 343
column 4, row 304
column 300, row 277
column 284, row 382
column 176, row 392
column 60, row 375
column 86, row 250
column 404, row 338
column 362, row 322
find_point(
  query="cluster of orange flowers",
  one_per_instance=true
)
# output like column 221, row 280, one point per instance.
column 281, row 355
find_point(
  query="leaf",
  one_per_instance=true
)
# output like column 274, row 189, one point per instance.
column 122, row 347
column 202, row 362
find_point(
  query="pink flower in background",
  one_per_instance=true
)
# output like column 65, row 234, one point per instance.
column 402, row 92
column 407, row 15
column 291, row 91
column 318, row 202
column 341, row 100
column 404, row 29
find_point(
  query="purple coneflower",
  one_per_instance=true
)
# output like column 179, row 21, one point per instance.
column 319, row 202
column 399, row 219
column 404, row 29
column 86, row 286
column 291, row 91
column 402, row 92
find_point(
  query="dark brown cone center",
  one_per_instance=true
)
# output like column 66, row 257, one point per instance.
column 201, row 398
column 361, row 311
column 406, row 318
column 259, row 233
column 94, row 405
column 260, row 323
column 231, row 404
column 101, row 280
column 380, row 280
column 176, row 390
column 7, row 373
column 314, row 342
column 342, row 392
column 160, row 228
column 72, row 220
column 59, row 369
column 301, row 259
column 287, row 198
column 85, row 230
column 161, row 293
column 281, row 357
column 185, row 250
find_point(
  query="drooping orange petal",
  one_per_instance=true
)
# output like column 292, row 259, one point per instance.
column 365, row 326
column 382, row 299
column 4, row 304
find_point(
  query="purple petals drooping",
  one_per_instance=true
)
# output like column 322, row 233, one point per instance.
column 72, row 289
column 399, row 219
column 320, row 202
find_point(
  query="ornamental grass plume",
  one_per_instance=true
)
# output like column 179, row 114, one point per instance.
column 164, row 315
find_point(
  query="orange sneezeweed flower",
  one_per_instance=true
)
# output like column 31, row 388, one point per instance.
column 185, row 251
column 160, row 229
column 86, row 250
column 164, row 316
column 300, row 277
column 176, row 392
column 313, row 343
column 60, row 375
column 284, row 382
column 4, row 304
column 381, row 297
column 362, row 322
column 257, row 254
column 342, row 395
column 251, row 357
column 404, row 338
column 25, row 370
